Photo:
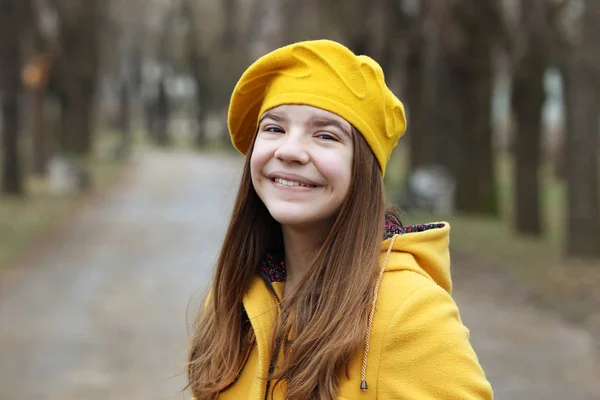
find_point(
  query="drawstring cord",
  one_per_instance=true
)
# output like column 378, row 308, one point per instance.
column 363, row 372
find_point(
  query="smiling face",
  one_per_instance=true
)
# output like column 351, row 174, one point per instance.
column 301, row 164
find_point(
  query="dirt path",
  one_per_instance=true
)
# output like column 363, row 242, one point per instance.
column 100, row 313
column 527, row 353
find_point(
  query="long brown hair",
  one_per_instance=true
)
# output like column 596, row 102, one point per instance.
column 327, row 312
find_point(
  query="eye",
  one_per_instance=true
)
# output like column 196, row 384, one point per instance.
column 272, row 129
column 326, row 136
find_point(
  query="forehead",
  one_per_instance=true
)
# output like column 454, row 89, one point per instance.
column 302, row 112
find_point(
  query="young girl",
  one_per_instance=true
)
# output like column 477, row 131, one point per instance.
column 319, row 293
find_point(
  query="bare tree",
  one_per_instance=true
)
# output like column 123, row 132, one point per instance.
column 39, row 51
column 471, row 30
column 162, row 111
column 161, row 106
column 409, row 33
column 10, row 64
column 218, row 43
column 121, row 63
column 76, row 71
column 431, row 94
column 528, row 96
column 582, row 93
column 232, row 54
column 199, row 69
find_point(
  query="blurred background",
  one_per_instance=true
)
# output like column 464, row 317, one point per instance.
column 117, row 176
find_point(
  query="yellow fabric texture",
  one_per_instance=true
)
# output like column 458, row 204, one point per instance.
column 323, row 74
column 419, row 348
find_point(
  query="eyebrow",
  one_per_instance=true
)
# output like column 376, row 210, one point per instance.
column 273, row 116
column 321, row 122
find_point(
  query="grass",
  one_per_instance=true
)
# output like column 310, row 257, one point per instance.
column 552, row 191
column 25, row 220
column 552, row 198
column 565, row 285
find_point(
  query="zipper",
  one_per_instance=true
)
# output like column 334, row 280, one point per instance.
column 269, row 285
column 271, row 369
column 267, row 281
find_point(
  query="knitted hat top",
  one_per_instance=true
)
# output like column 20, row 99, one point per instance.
column 323, row 74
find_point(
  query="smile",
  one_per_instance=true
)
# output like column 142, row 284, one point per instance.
column 291, row 183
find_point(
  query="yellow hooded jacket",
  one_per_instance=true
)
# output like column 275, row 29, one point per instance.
column 418, row 347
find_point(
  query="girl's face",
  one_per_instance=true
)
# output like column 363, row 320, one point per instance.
column 301, row 164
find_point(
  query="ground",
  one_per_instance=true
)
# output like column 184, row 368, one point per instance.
column 98, row 311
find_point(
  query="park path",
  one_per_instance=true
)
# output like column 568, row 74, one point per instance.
column 99, row 311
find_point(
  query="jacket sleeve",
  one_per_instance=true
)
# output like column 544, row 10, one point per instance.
column 427, row 354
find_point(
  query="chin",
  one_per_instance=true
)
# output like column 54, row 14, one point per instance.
column 288, row 216
column 287, row 219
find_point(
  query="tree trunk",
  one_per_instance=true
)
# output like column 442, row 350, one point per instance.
column 528, row 98
column 432, row 102
column 201, row 140
column 442, row 110
column 76, row 122
column 469, row 32
column 124, row 120
column 162, row 116
column 583, row 216
column 581, row 142
column 38, row 134
column 76, row 71
column 12, row 181
column 198, row 65
column 230, row 9
column 35, row 76
column 416, row 127
column 476, row 180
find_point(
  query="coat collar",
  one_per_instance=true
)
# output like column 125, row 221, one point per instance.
column 272, row 266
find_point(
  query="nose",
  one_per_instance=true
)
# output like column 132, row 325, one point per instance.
column 292, row 149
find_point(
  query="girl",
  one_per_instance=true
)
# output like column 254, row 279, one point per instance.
column 319, row 293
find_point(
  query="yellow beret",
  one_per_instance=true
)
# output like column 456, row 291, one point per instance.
column 323, row 74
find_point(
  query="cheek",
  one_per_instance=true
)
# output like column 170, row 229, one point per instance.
column 337, row 169
column 261, row 154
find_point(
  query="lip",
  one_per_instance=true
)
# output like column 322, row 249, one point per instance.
column 292, row 189
column 293, row 178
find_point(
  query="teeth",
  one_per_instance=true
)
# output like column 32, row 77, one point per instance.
column 290, row 183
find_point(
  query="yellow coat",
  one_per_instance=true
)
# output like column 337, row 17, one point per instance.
column 419, row 348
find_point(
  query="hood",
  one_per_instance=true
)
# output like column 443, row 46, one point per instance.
column 423, row 249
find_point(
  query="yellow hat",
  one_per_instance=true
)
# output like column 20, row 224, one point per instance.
column 322, row 74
